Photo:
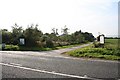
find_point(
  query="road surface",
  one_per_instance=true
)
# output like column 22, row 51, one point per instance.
column 51, row 64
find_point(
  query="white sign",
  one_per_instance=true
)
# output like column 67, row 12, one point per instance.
column 102, row 39
column 22, row 41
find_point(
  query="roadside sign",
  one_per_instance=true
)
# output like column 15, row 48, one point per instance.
column 102, row 39
column 22, row 41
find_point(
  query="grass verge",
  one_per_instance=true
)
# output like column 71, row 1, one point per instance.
column 109, row 52
column 23, row 48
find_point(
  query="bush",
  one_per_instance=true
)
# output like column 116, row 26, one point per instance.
column 98, row 45
column 117, row 52
column 49, row 44
column 14, row 48
column 11, row 47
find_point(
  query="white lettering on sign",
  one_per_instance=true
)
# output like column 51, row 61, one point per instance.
column 102, row 39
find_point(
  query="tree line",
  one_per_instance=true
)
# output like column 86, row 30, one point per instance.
column 35, row 37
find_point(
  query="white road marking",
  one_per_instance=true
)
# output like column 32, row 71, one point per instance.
column 15, row 64
column 43, row 71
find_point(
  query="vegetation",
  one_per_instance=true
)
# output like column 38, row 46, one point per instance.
column 36, row 40
column 110, row 51
column 24, row 48
column 112, row 43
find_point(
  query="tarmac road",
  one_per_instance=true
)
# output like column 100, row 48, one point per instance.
column 51, row 64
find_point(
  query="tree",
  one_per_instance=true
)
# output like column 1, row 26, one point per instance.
column 64, row 38
column 48, row 42
column 54, row 35
column 88, row 36
column 65, row 30
column 77, row 37
column 55, row 31
column 32, row 35
column 17, row 31
column 6, row 36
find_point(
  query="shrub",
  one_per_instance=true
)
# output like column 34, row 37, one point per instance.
column 98, row 45
column 117, row 52
column 11, row 47
column 49, row 44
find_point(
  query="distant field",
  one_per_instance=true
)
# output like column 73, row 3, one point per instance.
column 111, row 43
column 110, row 51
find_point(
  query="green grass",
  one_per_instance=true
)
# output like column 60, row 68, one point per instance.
column 11, row 47
column 112, row 43
column 23, row 48
column 110, row 51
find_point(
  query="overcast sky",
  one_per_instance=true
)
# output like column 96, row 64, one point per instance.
column 87, row 15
